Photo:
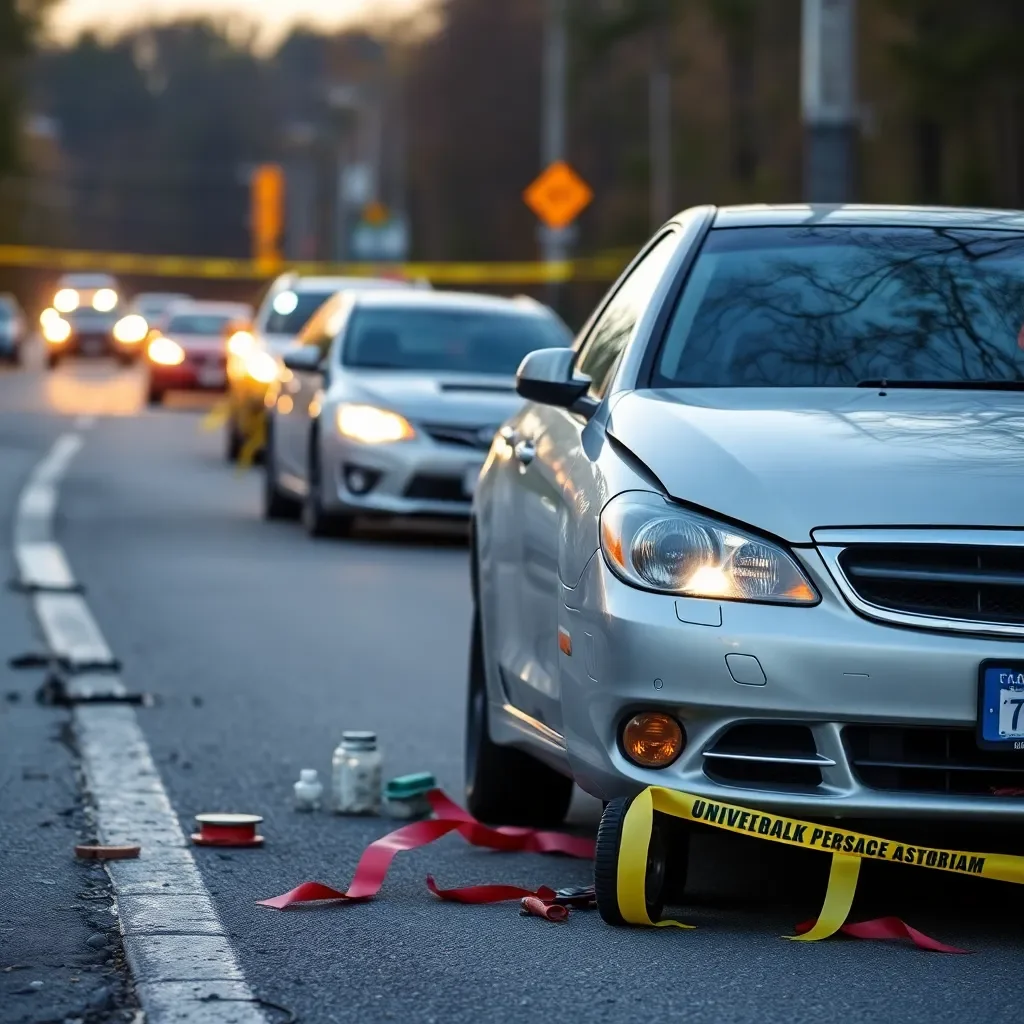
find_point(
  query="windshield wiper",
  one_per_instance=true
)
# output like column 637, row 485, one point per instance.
column 945, row 385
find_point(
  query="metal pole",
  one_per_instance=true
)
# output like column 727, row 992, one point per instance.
column 554, row 243
column 829, row 100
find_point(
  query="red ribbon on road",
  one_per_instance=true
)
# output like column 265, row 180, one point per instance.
column 376, row 859
column 888, row 928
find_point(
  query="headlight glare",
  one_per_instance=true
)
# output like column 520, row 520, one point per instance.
column 131, row 329
column 56, row 330
column 371, row 425
column 165, row 352
column 652, row 543
column 261, row 366
column 65, row 300
column 104, row 300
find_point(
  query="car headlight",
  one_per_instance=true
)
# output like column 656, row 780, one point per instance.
column 371, row 425
column 261, row 366
column 240, row 343
column 104, row 300
column 56, row 330
column 65, row 300
column 165, row 352
column 131, row 329
column 652, row 543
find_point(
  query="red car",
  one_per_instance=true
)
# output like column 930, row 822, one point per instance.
column 189, row 352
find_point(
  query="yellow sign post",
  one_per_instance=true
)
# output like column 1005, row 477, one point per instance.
column 267, row 216
column 558, row 195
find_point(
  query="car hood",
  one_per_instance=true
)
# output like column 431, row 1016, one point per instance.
column 455, row 399
column 789, row 461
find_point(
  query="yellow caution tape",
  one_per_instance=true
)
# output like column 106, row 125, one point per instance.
column 217, row 417
column 600, row 268
column 847, row 848
column 254, row 430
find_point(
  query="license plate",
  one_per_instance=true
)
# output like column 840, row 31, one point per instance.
column 1001, row 706
column 210, row 376
column 469, row 479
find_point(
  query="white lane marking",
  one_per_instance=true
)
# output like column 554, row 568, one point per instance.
column 179, row 952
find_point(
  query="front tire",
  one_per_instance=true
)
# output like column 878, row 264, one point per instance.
column 276, row 505
column 52, row 360
column 317, row 521
column 505, row 786
column 154, row 396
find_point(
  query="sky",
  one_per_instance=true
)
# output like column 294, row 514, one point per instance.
column 274, row 16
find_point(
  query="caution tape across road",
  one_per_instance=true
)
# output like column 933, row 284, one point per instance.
column 598, row 268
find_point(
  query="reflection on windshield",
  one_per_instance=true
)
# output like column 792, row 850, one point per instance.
column 198, row 324
column 307, row 303
column 466, row 341
column 830, row 307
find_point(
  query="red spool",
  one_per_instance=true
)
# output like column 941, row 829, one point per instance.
column 227, row 830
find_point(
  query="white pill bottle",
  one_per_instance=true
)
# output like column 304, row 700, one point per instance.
column 356, row 774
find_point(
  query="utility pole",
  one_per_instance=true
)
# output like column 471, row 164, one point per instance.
column 660, row 114
column 829, row 100
column 554, row 242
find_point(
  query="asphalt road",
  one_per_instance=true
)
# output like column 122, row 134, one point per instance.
column 259, row 646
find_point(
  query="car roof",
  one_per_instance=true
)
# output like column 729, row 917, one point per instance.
column 86, row 281
column 847, row 215
column 337, row 284
column 211, row 307
column 413, row 299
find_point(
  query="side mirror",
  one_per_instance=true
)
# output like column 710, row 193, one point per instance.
column 546, row 376
column 305, row 359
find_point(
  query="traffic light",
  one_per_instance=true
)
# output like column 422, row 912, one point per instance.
column 267, row 222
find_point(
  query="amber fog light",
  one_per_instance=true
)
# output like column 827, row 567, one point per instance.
column 652, row 739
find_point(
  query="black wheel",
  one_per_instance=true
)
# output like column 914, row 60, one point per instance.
column 667, row 862
column 505, row 786
column 275, row 504
column 232, row 440
column 315, row 518
column 52, row 359
column 154, row 396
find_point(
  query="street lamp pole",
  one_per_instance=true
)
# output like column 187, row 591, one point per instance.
column 554, row 243
column 829, row 100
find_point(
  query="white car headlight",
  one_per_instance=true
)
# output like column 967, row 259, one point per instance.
column 104, row 300
column 652, row 543
column 165, row 352
column 371, row 425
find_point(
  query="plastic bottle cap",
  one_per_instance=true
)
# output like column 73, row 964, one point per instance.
column 359, row 740
column 307, row 775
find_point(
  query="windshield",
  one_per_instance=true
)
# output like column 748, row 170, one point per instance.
column 289, row 311
column 454, row 340
column 198, row 323
column 832, row 307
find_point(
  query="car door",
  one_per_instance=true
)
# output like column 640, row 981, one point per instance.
column 546, row 443
column 300, row 392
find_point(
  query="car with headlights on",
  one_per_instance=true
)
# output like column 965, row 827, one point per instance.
column 189, row 353
column 147, row 312
column 759, row 536
column 81, row 318
column 254, row 357
column 12, row 328
column 389, row 402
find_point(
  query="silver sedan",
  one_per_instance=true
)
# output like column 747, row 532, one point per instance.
column 759, row 537
column 389, row 402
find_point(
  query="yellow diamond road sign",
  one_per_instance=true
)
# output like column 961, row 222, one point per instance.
column 558, row 195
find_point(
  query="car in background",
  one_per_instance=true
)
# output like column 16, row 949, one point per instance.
column 189, row 352
column 390, row 400
column 255, row 354
column 758, row 537
column 12, row 329
column 146, row 312
column 81, row 319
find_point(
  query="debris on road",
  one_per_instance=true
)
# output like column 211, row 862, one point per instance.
column 406, row 796
column 101, row 852
column 227, row 830
column 308, row 791
column 356, row 773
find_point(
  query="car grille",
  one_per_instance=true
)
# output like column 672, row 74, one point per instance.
column 427, row 487
column 926, row 760
column 975, row 584
column 760, row 754
column 466, row 437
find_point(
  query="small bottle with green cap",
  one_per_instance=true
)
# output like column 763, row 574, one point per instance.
column 406, row 796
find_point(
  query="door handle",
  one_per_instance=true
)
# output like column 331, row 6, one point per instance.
column 525, row 451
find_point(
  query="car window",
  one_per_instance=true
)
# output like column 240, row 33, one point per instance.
column 835, row 306
column 488, row 341
column 288, row 312
column 613, row 329
column 198, row 323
